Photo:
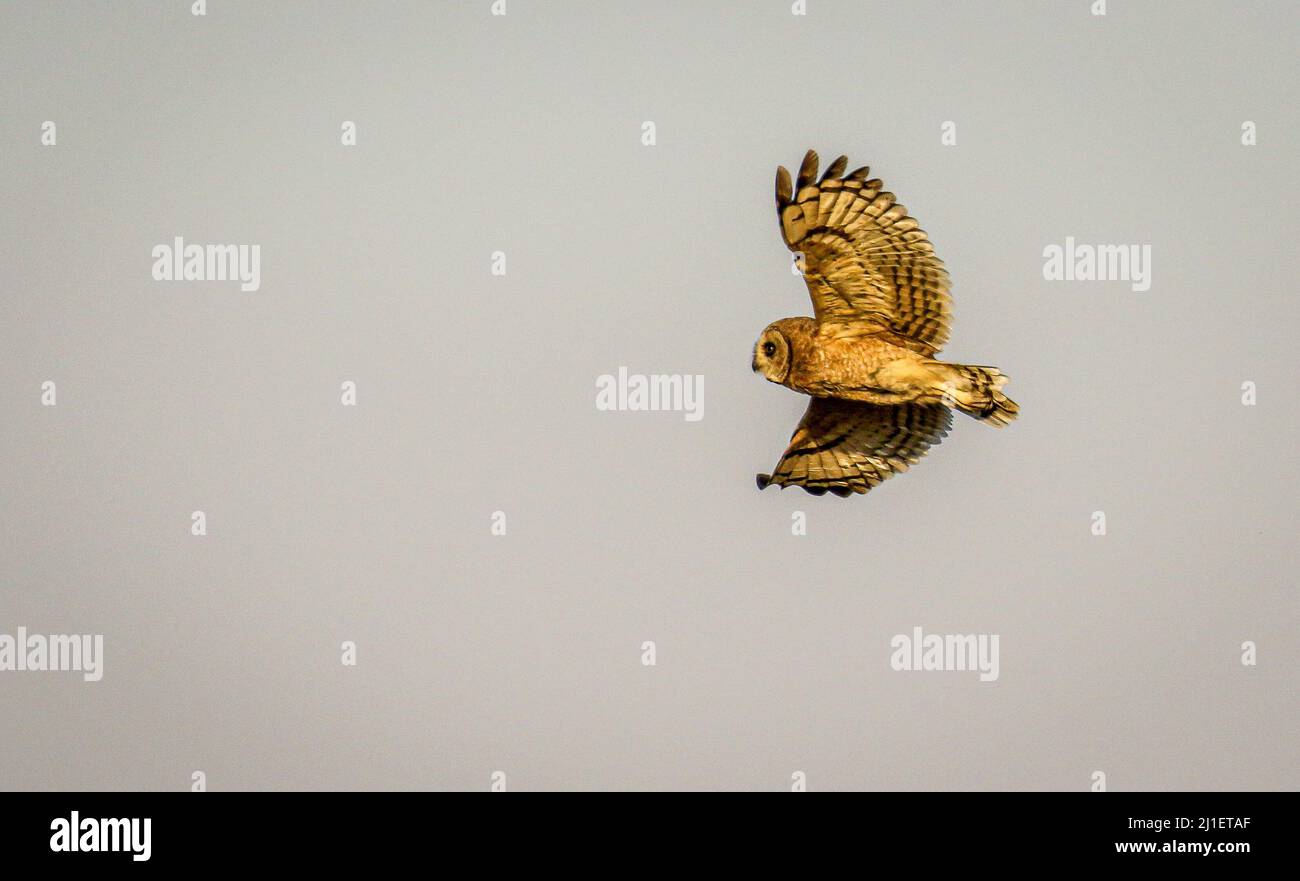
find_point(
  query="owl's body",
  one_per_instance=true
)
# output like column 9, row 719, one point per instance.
column 832, row 361
column 882, row 307
column 825, row 364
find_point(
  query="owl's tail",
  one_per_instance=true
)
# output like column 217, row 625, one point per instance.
column 977, row 391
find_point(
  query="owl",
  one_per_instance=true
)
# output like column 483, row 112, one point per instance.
column 881, row 311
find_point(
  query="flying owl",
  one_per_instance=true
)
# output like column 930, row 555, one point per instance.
column 881, row 311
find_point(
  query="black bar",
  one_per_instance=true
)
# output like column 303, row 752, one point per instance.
column 337, row 830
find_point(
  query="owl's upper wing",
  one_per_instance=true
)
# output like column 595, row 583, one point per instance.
column 864, row 260
column 849, row 446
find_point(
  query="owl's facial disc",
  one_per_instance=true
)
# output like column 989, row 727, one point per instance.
column 772, row 356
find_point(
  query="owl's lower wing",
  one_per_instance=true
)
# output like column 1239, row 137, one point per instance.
column 847, row 446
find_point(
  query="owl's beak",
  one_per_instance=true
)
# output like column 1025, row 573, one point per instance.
column 753, row 364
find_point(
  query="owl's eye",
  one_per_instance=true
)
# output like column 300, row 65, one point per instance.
column 769, row 349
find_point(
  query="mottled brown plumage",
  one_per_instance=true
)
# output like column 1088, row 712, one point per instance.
column 882, row 311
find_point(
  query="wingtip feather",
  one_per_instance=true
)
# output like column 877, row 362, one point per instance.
column 808, row 169
column 836, row 168
column 784, row 188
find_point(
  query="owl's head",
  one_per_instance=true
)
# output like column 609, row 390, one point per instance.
column 772, row 354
